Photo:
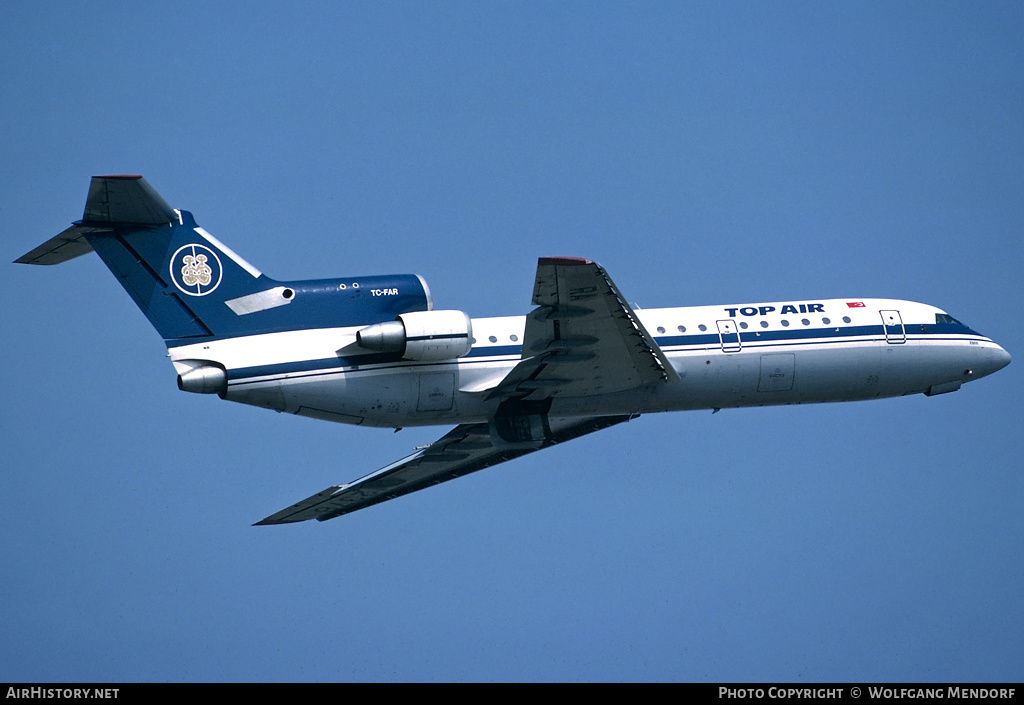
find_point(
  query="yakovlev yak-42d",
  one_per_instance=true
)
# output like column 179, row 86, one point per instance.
column 374, row 351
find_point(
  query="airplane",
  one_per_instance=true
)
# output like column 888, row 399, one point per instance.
column 373, row 350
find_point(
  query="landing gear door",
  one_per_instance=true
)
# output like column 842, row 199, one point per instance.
column 893, row 324
column 729, row 334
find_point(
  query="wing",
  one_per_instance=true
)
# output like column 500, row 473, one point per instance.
column 461, row 451
column 583, row 339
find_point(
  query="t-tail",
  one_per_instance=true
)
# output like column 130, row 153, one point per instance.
column 192, row 287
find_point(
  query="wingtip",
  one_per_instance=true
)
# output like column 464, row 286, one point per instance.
column 271, row 521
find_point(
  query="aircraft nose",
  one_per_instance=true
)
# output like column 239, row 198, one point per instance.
column 1001, row 358
column 995, row 359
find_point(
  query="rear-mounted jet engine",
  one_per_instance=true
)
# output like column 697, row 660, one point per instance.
column 421, row 335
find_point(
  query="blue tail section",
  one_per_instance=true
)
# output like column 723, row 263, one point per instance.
column 190, row 286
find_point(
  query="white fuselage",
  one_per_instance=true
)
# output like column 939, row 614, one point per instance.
column 726, row 356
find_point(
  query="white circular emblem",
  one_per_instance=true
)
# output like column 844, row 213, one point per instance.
column 196, row 270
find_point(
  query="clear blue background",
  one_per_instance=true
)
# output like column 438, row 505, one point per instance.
column 703, row 153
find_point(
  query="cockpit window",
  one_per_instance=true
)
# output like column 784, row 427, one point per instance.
column 946, row 318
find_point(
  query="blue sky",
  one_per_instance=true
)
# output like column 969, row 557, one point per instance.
column 703, row 153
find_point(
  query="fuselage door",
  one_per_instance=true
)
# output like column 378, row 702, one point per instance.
column 729, row 334
column 437, row 391
column 777, row 372
column 893, row 324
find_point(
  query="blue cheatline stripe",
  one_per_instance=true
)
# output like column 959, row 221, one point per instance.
column 337, row 365
column 448, row 336
column 805, row 335
column 679, row 343
column 494, row 351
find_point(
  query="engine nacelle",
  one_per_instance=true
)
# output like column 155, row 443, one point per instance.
column 421, row 335
column 205, row 379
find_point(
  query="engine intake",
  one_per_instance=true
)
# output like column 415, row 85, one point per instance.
column 421, row 335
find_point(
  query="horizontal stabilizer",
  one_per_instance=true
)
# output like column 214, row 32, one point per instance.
column 112, row 201
column 124, row 200
column 69, row 244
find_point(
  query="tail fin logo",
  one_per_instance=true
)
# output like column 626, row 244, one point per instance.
column 196, row 270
